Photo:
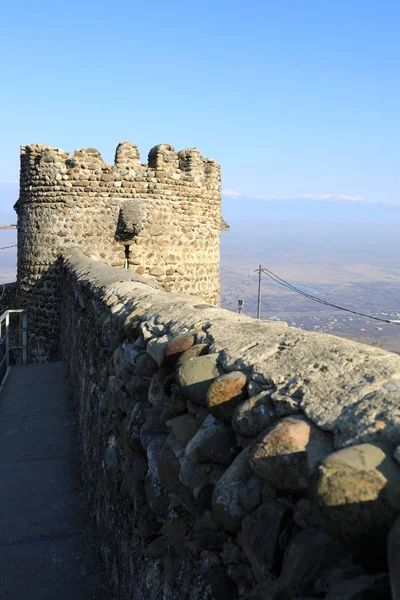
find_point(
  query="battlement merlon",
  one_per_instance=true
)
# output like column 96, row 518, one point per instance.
column 43, row 166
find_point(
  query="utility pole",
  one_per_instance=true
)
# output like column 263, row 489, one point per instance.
column 259, row 293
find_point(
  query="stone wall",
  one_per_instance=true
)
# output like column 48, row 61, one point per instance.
column 161, row 219
column 226, row 457
column 8, row 296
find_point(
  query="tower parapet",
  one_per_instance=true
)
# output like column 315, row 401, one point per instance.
column 161, row 219
column 127, row 156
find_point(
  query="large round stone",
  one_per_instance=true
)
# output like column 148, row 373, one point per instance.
column 177, row 345
column 156, row 494
column 309, row 555
column 287, row 454
column 145, row 365
column 168, row 471
column 225, row 393
column 229, row 497
column 259, row 537
column 253, row 415
column 183, row 428
column 193, row 352
column 357, row 493
column 196, row 376
column 214, row 442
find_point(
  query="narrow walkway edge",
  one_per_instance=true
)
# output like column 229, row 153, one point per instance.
column 42, row 510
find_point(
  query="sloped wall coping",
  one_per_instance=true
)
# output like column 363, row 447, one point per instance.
column 349, row 389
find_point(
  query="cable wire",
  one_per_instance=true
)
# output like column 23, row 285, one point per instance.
column 240, row 293
column 5, row 247
column 249, row 276
column 289, row 286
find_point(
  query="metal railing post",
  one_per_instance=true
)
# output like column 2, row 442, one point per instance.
column 7, row 320
column 5, row 341
column 24, row 337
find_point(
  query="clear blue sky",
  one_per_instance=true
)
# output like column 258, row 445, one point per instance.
column 295, row 98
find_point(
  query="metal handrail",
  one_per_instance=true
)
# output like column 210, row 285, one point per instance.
column 5, row 320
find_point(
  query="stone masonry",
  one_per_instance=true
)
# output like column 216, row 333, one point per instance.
column 227, row 458
column 224, row 458
column 161, row 219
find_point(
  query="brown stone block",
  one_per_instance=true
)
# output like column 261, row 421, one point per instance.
column 225, row 393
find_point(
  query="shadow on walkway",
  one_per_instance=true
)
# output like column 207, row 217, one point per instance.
column 44, row 541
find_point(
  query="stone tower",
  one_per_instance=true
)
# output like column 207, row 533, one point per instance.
column 161, row 219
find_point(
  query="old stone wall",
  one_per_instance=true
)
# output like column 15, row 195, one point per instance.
column 8, row 293
column 161, row 219
column 225, row 457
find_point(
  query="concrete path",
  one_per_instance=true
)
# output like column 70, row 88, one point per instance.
column 43, row 551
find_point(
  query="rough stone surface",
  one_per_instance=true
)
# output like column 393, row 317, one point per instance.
column 156, row 495
column 213, row 442
column 156, row 393
column 145, row 365
column 177, row 401
column 193, row 352
column 184, row 428
column 177, row 346
column 168, row 468
column 305, row 514
column 259, row 537
column 396, row 454
column 230, row 492
column 352, row 583
column 138, row 388
column 158, row 547
column 287, row 454
column 190, row 474
column 368, row 587
column 253, row 415
column 118, row 396
column 196, row 376
column 310, row 553
column 213, row 585
column 156, row 349
column 262, row 591
column 309, row 371
column 225, row 393
column 357, row 492
column 335, row 576
column 130, row 221
column 142, row 485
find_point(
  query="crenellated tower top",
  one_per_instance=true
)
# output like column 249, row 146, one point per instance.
column 47, row 170
column 161, row 219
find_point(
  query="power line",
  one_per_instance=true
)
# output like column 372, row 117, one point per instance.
column 240, row 293
column 246, row 281
column 5, row 247
column 289, row 286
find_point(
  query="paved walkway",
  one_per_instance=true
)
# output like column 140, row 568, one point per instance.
column 42, row 549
